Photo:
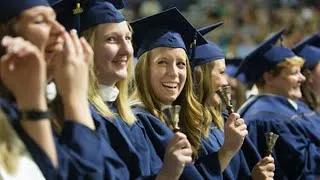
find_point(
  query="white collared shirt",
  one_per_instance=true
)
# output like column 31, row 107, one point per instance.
column 108, row 93
column 26, row 169
column 51, row 91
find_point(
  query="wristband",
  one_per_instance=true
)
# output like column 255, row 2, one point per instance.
column 34, row 114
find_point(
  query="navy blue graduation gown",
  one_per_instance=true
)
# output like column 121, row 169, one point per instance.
column 237, row 168
column 296, row 154
column 311, row 121
column 132, row 145
column 248, row 151
column 160, row 136
column 76, row 160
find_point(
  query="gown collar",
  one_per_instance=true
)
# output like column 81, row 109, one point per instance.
column 108, row 93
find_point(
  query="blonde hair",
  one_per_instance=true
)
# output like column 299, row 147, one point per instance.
column 289, row 62
column 204, row 90
column 286, row 64
column 11, row 147
column 94, row 95
column 191, row 116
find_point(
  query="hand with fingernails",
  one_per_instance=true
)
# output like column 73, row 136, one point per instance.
column 235, row 130
column 23, row 71
column 71, row 76
column 71, row 70
column 178, row 155
column 264, row 169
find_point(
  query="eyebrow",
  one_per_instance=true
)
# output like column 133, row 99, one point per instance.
column 48, row 12
column 181, row 59
column 116, row 33
column 51, row 12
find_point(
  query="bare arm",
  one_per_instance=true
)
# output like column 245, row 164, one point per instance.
column 23, row 71
column 71, row 77
column 235, row 131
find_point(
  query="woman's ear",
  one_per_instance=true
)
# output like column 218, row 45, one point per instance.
column 268, row 77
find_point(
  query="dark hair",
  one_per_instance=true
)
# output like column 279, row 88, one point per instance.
column 274, row 72
column 7, row 28
column 309, row 97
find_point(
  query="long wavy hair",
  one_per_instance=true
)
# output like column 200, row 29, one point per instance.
column 11, row 146
column 191, row 114
column 95, row 98
column 204, row 90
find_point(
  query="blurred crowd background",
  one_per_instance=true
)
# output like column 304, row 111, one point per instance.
column 246, row 22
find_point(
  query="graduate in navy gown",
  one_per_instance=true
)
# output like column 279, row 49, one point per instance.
column 309, row 50
column 238, row 84
column 163, row 78
column 32, row 54
column 276, row 72
column 225, row 138
column 110, row 36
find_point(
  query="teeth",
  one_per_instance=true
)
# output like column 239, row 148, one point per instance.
column 170, row 84
column 120, row 62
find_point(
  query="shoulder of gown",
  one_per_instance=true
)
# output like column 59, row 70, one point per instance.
column 293, row 147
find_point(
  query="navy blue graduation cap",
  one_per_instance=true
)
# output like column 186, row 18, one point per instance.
column 264, row 57
column 119, row 4
column 207, row 29
column 83, row 14
column 309, row 50
column 232, row 65
column 51, row 2
column 207, row 52
column 166, row 29
column 180, row 4
column 12, row 8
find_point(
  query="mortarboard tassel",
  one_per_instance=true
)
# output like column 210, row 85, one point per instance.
column 193, row 48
